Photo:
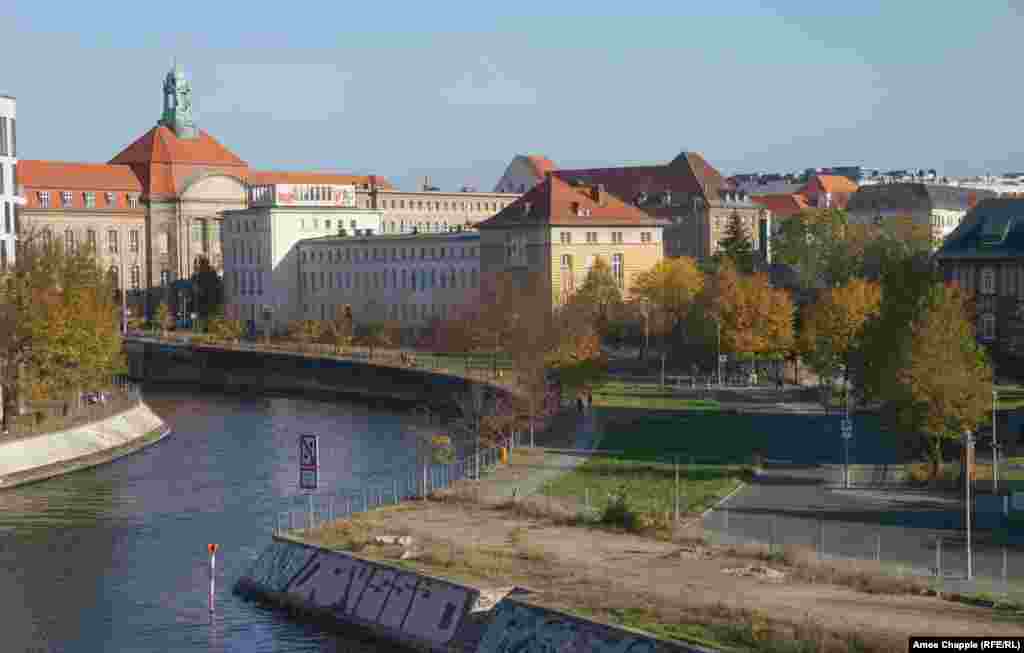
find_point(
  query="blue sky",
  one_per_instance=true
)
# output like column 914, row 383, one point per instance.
column 453, row 90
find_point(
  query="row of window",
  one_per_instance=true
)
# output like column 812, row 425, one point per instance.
column 568, row 274
column 248, row 282
column 88, row 199
column 592, row 237
column 411, row 279
column 407, row 312
column 10, row 225
column 134, row 276
column 238, row 226
column 439, row 205
column 239, row 251
column 71, row 242
column 357, row 255
column 204, row 231
column 8, row 136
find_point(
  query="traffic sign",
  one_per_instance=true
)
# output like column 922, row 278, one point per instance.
column 847, row 428
column 309, row 461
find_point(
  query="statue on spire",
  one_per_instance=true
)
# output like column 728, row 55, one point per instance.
column 177, row 113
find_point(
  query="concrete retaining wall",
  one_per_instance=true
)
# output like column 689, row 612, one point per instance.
column 409, row 608
column 34, row 458
column 393, row 603
column 525, row 628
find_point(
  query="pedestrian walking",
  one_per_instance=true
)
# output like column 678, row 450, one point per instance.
column 579, row 404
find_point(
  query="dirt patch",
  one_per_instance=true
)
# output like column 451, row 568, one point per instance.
column 572, row 566
column 756, row 571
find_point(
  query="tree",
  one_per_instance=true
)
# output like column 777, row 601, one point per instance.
column 833, row 326
column 341, row 330
column 221, row 328
column 599, row 295
column 812, row 242
column 670, row 289
column 374, row 334
column 755, row 319
column 59, row 324
column 737, row 245
column 163, row 318
column 943, row 383
column 208, row 288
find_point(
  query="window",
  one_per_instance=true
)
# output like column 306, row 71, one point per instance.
column 259, row 283
column 69, row 241
column 988, row 281
column 987, row 326
column 645, row 236
column 566, row 238
column 462, row 278
column 90, row 239
column 112, row 275
column 65, row 198
column 617, row 237
column 112, row 242
column 245, row 283
column 197, row 231
column 135, row 274
column 133, row 240
column 110, row 198
column 44, row 199
column 3, row 254
column 90, row 200
column 8, row 227
column 47, row 237
column 133, row 202
column 591, row 236
column 404, row 280
column 472, row 278
column 3, row 135
column 617, row 269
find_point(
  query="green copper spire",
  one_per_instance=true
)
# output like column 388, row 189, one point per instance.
column 177, row 113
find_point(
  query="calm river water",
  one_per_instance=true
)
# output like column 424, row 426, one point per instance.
column 114, row 558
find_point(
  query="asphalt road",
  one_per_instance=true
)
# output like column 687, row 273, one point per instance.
column 791, row 506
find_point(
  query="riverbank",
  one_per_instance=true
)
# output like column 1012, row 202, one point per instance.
column 36, row 458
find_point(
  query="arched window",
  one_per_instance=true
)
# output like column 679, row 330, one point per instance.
column 987, row 327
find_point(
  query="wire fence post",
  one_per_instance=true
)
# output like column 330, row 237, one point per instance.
column 366, row 501
column 938, row 556
column 821, row 537
column 1006, row 582
column 675, row 461
column 878, row 547
column 771, row 545
column 394, row 489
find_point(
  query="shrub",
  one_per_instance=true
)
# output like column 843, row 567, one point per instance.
column 618, row 511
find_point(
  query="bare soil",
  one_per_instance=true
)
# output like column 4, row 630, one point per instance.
column 622, row 568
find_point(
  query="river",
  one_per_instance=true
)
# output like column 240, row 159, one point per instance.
column 114, row 558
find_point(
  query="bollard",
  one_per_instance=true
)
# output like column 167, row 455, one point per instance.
column 212, row 548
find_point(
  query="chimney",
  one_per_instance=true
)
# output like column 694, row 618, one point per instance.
column 426, row 184
column 598, row 194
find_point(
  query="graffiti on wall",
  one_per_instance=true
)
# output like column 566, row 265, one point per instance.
column 418, row 607
column 519, row 628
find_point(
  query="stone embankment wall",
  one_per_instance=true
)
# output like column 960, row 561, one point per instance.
column 423, row 612
column 29, row 459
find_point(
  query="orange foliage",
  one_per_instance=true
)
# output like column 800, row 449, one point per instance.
column 755, row 317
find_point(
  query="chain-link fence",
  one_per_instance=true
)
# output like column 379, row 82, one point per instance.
column 387, row 489
column 941, row 559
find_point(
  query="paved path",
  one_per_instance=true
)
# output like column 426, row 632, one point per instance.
column 528, row 478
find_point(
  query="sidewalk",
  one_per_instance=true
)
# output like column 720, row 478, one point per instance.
column 529, row 469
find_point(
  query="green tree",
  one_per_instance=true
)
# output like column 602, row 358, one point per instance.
column 59, row 324
column 812, row 242
column 737, row 245
column 833, row 326
column 208, row 289
column 943, row 383
column 670, row 290
column 599, row 296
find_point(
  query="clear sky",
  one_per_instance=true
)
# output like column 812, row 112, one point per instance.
column 454, row 90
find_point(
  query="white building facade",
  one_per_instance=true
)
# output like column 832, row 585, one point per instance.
column 409, row 280
column 429, row 211
column 261, row 261
column 10, row 193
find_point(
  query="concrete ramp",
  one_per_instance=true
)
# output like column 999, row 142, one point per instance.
column 524, row 628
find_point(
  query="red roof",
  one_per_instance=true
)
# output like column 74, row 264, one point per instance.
column 557, row 202
column 834, row 184
column 782, row 205
column 161, row 145
column 541, row 165
column 280, row 177
column 60, row 175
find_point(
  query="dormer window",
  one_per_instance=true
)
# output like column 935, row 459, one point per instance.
column 65, row 198
column 133, row 202
column 110, row 198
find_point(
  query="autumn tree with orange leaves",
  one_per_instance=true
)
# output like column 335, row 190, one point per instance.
column 756, row 319
column 833, row 326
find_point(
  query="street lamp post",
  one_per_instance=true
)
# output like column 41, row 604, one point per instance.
column 995, row 445
column 718, row 329
column 968, row 456
column 847, row 433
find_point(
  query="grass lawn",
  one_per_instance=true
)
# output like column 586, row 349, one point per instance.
column 647, row 395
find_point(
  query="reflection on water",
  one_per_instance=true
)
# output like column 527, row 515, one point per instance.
column 114, row 558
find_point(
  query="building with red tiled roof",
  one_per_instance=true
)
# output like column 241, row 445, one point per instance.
column 523, row 173
column 688, row 193
column 160, row 199
column 783, row 205
column 552, row 235
column 829, row 191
